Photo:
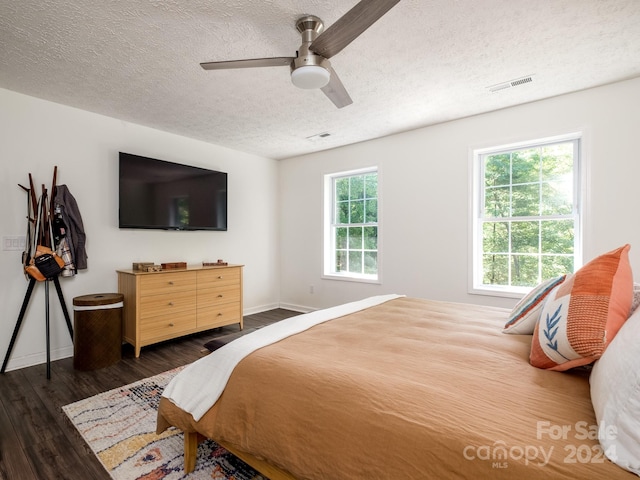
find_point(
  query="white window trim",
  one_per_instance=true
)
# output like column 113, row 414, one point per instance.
column 580, row 182
column 328, row 247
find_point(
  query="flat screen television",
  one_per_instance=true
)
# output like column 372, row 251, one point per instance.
column 156, row 194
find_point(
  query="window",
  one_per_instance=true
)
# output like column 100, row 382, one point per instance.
column 526, row 214
column 351, row 225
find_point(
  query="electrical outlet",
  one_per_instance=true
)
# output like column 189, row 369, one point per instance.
column 311, row 289
column 15, row 242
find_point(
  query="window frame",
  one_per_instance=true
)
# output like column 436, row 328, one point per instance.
column 329, row 247
column 475, row 285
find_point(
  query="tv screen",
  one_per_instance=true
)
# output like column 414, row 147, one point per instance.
column 170, row 196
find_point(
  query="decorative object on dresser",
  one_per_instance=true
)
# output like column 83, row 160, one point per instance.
column 171, row 303
column 219, row 263
column 146, row 267
column 174, row 265
column 151, row 268
column 141, row 265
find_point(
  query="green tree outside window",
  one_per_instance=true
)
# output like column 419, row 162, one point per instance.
column 355, row 224
column 528, row 214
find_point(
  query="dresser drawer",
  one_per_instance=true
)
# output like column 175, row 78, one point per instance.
column 168, row 304
column 209, row 297
column 219, row 315
column 163, row 283
column 163, row 327
column 218, row 277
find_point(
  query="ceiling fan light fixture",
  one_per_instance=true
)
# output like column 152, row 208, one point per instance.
column 310, row 68
column 310, row 77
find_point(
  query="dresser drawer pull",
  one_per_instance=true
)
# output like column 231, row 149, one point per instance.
column 219, row 314
column 220, row 296
column 170, row 304
column 171, row 325
column 170, row 283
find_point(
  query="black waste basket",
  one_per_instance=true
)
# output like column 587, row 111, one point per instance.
column 97, row 340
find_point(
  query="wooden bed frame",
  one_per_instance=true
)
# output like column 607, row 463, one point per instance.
column 193, row 439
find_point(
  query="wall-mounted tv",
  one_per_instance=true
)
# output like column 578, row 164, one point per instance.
column 170, row 196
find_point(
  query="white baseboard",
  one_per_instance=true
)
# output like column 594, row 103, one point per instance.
column 38, row 358
column 260, row 309
column 286, row 306
column 297, row 308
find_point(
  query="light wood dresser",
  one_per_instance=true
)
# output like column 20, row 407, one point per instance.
column 168, row 304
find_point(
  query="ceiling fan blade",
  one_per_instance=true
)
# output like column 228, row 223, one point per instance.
column 251, row 63
column 350, row 26
column 335, row 91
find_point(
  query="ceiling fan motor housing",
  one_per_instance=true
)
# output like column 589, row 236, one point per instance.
column 310, row 27
column 315, row 73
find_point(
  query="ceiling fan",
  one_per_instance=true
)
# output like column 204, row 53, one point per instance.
column 310, row 68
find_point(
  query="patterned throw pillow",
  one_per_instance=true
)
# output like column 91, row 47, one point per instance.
column 582, row 315
column 526, row 313
column 636, row 298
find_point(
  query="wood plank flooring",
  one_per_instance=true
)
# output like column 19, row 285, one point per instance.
column 37, row 441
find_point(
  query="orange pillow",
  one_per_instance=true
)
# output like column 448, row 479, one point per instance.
column 583, row 314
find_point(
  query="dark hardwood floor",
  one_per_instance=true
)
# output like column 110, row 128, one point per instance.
column 37, row 441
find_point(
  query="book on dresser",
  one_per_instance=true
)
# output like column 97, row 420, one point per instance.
column 167, row 304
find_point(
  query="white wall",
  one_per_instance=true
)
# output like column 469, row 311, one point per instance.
column 35, row 135
column 278, row 236
column 424, row 191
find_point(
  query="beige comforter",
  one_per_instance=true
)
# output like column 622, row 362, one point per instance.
column 407, row 389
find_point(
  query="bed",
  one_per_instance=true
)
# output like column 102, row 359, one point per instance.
column 407, row 388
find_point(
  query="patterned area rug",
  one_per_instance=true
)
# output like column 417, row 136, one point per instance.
column 119, row 426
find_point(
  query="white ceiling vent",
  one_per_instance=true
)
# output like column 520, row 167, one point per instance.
column 318, row 136
column 511, row 83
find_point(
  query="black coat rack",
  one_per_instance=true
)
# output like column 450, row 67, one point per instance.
column 25, row 304
column 44, row 240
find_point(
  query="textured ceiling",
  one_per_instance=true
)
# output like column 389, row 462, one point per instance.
column 424, row 62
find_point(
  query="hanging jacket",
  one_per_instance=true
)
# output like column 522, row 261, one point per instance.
column 76, row 238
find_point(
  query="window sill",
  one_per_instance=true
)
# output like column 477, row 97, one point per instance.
column 498, row 292
column 350, row 278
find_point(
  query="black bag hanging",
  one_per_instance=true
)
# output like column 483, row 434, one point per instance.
column 47, row 265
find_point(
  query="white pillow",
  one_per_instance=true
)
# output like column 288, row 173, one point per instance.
column 615, row 394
